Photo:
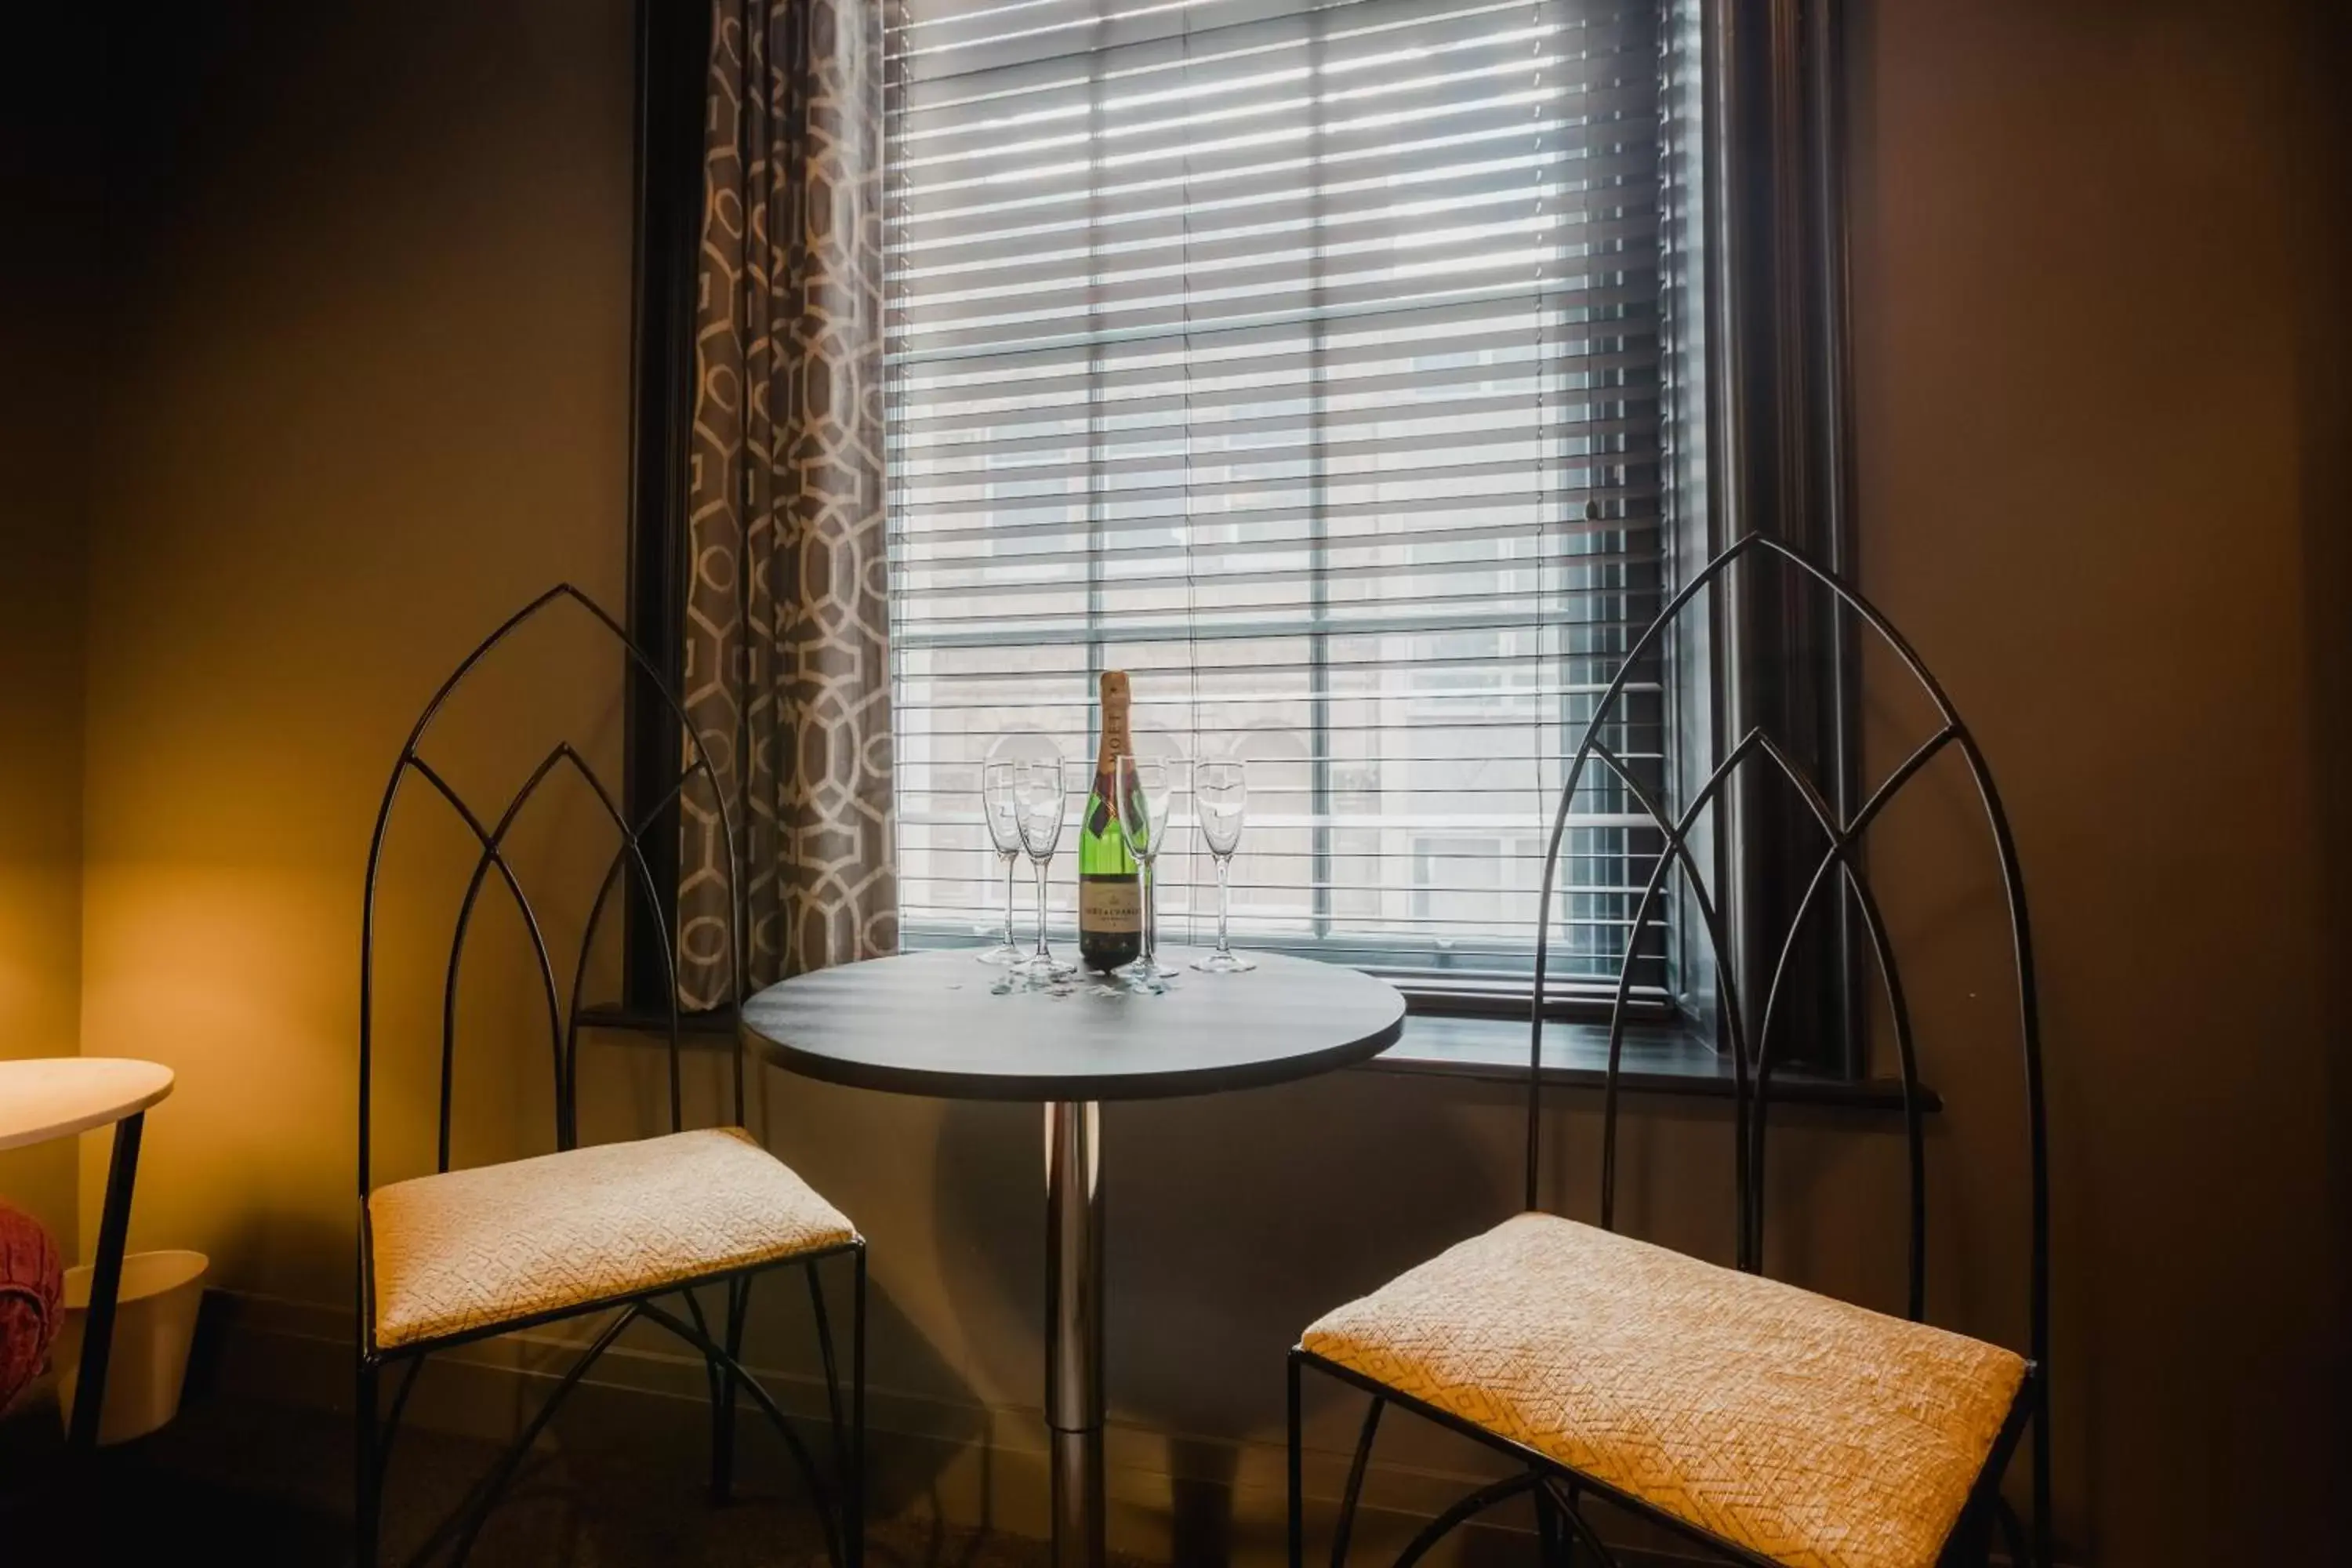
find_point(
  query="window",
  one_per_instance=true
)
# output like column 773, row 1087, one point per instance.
column 1303, row 359
column 1357, row 374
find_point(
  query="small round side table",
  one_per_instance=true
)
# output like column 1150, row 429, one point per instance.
column 58, row 1097
column 937, row 1024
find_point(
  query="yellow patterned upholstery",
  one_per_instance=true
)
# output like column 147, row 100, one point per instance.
column 471, row 1249
column 1808, row 1430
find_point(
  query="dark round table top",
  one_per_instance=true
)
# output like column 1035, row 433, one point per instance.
column 935, row 1024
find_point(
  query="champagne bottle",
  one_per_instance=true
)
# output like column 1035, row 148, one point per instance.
column 1110, row 894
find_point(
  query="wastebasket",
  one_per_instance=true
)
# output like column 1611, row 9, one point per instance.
column 154, row 1324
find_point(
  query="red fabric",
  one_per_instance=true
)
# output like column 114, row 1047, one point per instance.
column 32, row 1300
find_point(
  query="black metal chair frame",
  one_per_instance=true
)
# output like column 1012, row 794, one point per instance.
column 1558, row 1492
column 721, row 1351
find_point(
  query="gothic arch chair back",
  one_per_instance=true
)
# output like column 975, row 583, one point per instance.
column 1767, row 1424
column 614, row 1230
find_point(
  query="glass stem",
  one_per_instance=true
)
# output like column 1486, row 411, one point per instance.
column 1150, row 916
column 1011, row 945
column 1042, row 953
column 1224, row 899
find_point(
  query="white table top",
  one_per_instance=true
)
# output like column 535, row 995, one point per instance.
column 56, row 1097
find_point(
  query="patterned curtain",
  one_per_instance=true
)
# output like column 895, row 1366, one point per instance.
column 787, row 665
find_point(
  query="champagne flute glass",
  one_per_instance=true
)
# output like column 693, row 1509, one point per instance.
column 1146, row 789
column 1042, row 796
column 1003, row 813
column 1004, row 838
column 1221, row 798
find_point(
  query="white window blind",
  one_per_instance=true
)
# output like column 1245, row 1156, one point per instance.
column 1303, row 361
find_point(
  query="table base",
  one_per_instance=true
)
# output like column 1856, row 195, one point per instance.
column 1074, row 1328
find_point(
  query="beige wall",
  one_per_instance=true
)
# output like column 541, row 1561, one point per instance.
column 45, row 417
column 2099, row 288
column 373, row 393
column 40, row 806
column 40, row 822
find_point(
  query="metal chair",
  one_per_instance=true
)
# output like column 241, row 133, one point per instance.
column 1766, row 1424
column 460, row 1256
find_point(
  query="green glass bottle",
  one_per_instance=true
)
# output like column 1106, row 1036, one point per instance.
column 1110, row 893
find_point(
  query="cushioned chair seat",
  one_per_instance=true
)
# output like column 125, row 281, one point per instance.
column 471, row 1249
column 1807, row 1430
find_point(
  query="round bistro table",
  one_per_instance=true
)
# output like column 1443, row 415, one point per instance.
column 940, row 1024
column 56, row 1097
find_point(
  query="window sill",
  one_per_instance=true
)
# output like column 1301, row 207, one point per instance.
column 1657, row 1059
column 695, row 1031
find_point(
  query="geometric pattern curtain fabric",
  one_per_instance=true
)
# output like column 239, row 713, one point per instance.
column 787, row 644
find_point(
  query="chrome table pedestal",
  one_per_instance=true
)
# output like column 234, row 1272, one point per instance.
column 1074, row 1328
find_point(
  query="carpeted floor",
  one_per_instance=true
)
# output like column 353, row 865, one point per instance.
column 251, row 1484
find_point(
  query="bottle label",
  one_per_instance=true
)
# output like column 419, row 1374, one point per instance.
column 1111, row 906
